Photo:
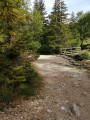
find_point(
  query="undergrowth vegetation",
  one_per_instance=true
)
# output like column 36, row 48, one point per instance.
column 83, row 56
column 17, row 78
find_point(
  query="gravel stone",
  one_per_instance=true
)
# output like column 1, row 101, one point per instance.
column 75, row 109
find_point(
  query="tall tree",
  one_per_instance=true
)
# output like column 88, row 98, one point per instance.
column 63, row 12
column 72, row 17
column 74, row 30
column 59, row 11
column 10, row 14
column 58, row 25
column 36, row 5
column 42, row 8
column 83, row 25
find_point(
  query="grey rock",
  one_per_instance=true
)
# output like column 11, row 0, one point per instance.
column 75, row 109
column 40, row 108
column 66, row 101
column 63, row 108
column 69, row 58
column 81, row 104
column 72, row 61
column 37, row 97
column 76, row 64
column 21, row 117
column 59, row 119
column 49, row 111
column 67, row 64
column 84, row 93
column 73, row 76
column 75, row 83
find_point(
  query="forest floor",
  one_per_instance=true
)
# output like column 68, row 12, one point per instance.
column 65, row 94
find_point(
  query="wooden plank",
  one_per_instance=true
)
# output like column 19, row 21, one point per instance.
column 70, row 50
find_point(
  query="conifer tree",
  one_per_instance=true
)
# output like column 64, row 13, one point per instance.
column 58, row 18
column 72, row 17
column 11, row 12
column 83, row 26
column 59, row 11
column 42, row 7
column 36, row 5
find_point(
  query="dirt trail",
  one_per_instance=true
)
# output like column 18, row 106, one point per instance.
column 64, row 87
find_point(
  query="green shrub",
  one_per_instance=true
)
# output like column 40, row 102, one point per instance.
column 27, row 91
column 12, row 76
column 6, row 93
column 87, row 46
column 34, row 45
column 46, row 49
column 30, row 73
column 83, row 56
column 5, row 64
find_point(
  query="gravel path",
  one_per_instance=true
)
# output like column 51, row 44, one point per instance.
column 65, row 95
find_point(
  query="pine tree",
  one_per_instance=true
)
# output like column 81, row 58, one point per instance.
column 83, row 26
column 59, row 11
column 11, row 13
column 42, row 8
column 72, row 17
column 63, row 12
column 36, row 5
column 58, row 18
column 74, row 30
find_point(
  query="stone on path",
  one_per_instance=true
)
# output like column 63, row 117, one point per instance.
column 84, row 93
column 63, row 108
column 49, row 111
column 75, row 109
column 81, row 104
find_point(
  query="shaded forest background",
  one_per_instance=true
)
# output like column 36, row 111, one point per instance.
column 26, row 32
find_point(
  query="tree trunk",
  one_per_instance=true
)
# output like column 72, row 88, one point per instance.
column 81, row 44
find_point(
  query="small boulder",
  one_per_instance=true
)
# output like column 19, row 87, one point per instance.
column 75, row 109
column 84, row 93
column 81, row 104
column 63, row 108
column 49, row 111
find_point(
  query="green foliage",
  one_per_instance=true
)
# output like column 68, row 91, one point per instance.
column 12, row 77
column 34, row 45
column 5, row 64
column 30, row 89
column 20, row 30
column 87, row 46
column 83, row 56
column 37, row 25
column 29, row 73
column 41, row 8
column 83, row 26
column 60, row 34
column 27, row 91
column 46, row 49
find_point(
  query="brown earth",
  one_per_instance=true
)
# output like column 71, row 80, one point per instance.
column 65, row 86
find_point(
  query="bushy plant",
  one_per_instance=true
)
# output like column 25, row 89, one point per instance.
column 12, row 79
column 34, row 45
column 83, row 56
column 46, row 49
